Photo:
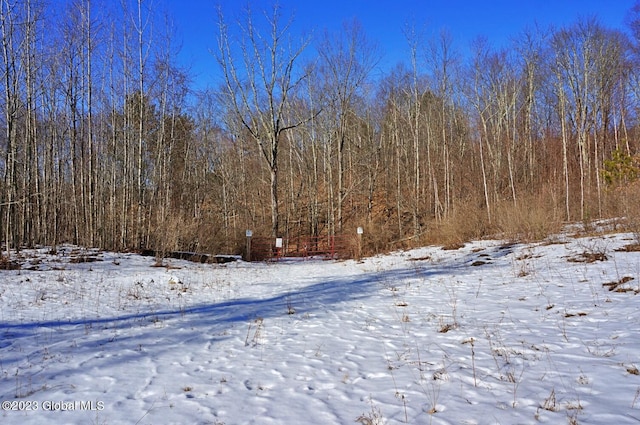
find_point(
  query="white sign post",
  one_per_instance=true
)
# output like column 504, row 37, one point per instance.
column 359, row 231
column 249, row 234
column 278, row 247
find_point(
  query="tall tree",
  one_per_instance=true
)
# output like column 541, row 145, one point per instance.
column 443, row 62
column 259, row 80
column 11, row 80
column 347, row 59
column 589, row 62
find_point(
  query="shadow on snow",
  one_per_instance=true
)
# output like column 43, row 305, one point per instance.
column 314, row 297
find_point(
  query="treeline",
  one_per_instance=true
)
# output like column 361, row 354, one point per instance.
column 104, row 144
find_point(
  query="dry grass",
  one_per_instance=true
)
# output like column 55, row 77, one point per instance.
column 468, row 222
column 623, row 203
column 530, row 219
column 6, row 264
column 588, row 257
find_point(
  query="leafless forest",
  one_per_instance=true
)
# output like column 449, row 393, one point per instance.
column 105, row 144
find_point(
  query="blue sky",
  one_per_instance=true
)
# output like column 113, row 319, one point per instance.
column 383, row 22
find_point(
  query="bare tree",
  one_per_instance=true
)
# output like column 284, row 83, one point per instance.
column 415, row 118
column 479, row 98
column 589, row 62
column 443, row 61
column 10, row 71
column 531, row 45
column 347, row 60
column 142, row 26
column 259, row 79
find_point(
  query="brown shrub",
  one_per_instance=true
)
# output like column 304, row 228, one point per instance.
column 468, row 222
column 627, row 198
column 530, row 219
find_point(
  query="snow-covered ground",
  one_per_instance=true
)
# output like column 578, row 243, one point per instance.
column 486, row 334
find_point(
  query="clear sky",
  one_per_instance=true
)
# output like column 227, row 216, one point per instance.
column 383, row 22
